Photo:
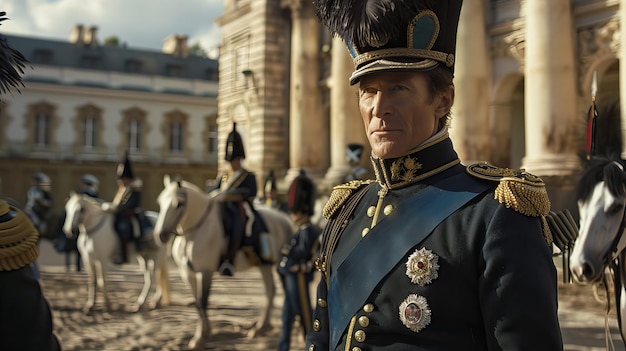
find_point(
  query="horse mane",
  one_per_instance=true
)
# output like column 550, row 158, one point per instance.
column 602, row 168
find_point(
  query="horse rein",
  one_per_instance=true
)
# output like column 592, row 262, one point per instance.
column 183, row 210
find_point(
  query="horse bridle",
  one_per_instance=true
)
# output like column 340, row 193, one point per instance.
column 183, row 208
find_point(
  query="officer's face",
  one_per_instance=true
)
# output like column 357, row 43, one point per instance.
column 398, row 111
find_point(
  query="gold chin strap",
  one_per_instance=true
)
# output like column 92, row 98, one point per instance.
column 18, row 239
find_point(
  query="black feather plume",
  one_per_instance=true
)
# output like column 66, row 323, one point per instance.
column 368, row 20
column 12, row 64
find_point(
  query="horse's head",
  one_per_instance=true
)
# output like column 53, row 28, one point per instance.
column 173, row 204
column 601, row 196
column 74, row 214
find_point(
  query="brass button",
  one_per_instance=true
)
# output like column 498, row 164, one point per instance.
column 356, row 349
column 311, row 347
column 371, row 210
column 359, row 336
column 368, row 308
column 387, row 210
column 365, row 231
column 316, row 325
column 321, row 302
column 364, row 321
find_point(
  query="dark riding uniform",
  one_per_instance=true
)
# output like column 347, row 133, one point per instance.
column 240, row 190
column 126, row 205
column 296, row 265
column 431, row 255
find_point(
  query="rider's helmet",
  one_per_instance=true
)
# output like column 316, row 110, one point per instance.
column 41, row 179
column 90, row 180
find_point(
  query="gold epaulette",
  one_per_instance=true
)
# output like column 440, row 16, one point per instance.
column 517, row 189
column 340, row 194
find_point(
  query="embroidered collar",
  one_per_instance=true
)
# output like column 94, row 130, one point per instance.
column 420, row 163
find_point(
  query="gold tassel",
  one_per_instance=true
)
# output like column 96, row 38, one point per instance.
column 530, row 199
column 340, row 194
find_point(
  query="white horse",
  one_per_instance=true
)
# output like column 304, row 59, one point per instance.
column 98, row 243
column 197, row 217
column 599, row 248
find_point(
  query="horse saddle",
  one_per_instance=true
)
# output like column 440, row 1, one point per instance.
column 255, row 245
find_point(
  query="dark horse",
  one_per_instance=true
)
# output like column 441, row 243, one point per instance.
column 61, row 243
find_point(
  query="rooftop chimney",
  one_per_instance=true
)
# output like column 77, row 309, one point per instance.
column 77, row 34
column 90, row 36
column 176, row 45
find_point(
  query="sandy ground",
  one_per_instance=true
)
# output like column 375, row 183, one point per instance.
column 235, row 304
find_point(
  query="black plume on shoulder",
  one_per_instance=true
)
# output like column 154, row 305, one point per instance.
column 364, row 20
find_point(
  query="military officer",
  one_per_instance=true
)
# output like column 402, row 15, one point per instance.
column 240, row 187
column 26, row 318
column 296, row 265
column 126, row 206
column 433, row 254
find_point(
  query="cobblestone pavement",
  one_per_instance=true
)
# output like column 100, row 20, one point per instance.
column 233, row 306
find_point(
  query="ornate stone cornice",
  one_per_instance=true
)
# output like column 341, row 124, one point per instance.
column 597, row 42
column 511, row 45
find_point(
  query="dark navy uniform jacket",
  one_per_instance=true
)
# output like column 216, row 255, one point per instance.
column 242, row 187
column 25, row 317
column 483, row 279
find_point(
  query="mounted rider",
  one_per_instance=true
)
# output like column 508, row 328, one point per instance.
column 240, row 187
column 39, row 201
column 89, row 185
column 126, row 205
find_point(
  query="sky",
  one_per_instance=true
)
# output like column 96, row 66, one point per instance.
column 141, row 24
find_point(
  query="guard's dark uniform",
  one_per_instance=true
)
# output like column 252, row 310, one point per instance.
column 483, row 279
column 296, row 265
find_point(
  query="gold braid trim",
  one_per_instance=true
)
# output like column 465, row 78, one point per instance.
column 519, row 190
column 18, row 240
column 340, row 194
column 529, row 199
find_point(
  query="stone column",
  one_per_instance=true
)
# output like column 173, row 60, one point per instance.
column 308, row 134
column 622, row 71
column 470, row 122
column 550, row 89
column 345, row 120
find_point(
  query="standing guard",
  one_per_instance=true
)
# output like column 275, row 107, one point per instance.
column 296, row 265
column 270, row 194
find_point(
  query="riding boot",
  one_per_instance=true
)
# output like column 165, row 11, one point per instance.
column 123, row 258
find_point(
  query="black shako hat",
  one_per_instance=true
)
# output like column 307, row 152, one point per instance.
column 302, row 195
column 124, row 169
column 394, row 35
column 234, row 145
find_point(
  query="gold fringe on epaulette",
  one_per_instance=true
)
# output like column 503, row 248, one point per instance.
column 340, row 194
column 527, row 198
column 18, row 240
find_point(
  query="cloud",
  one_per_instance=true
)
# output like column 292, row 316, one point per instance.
column 139, row 23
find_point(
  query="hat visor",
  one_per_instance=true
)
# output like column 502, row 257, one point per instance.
column 391, row 66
